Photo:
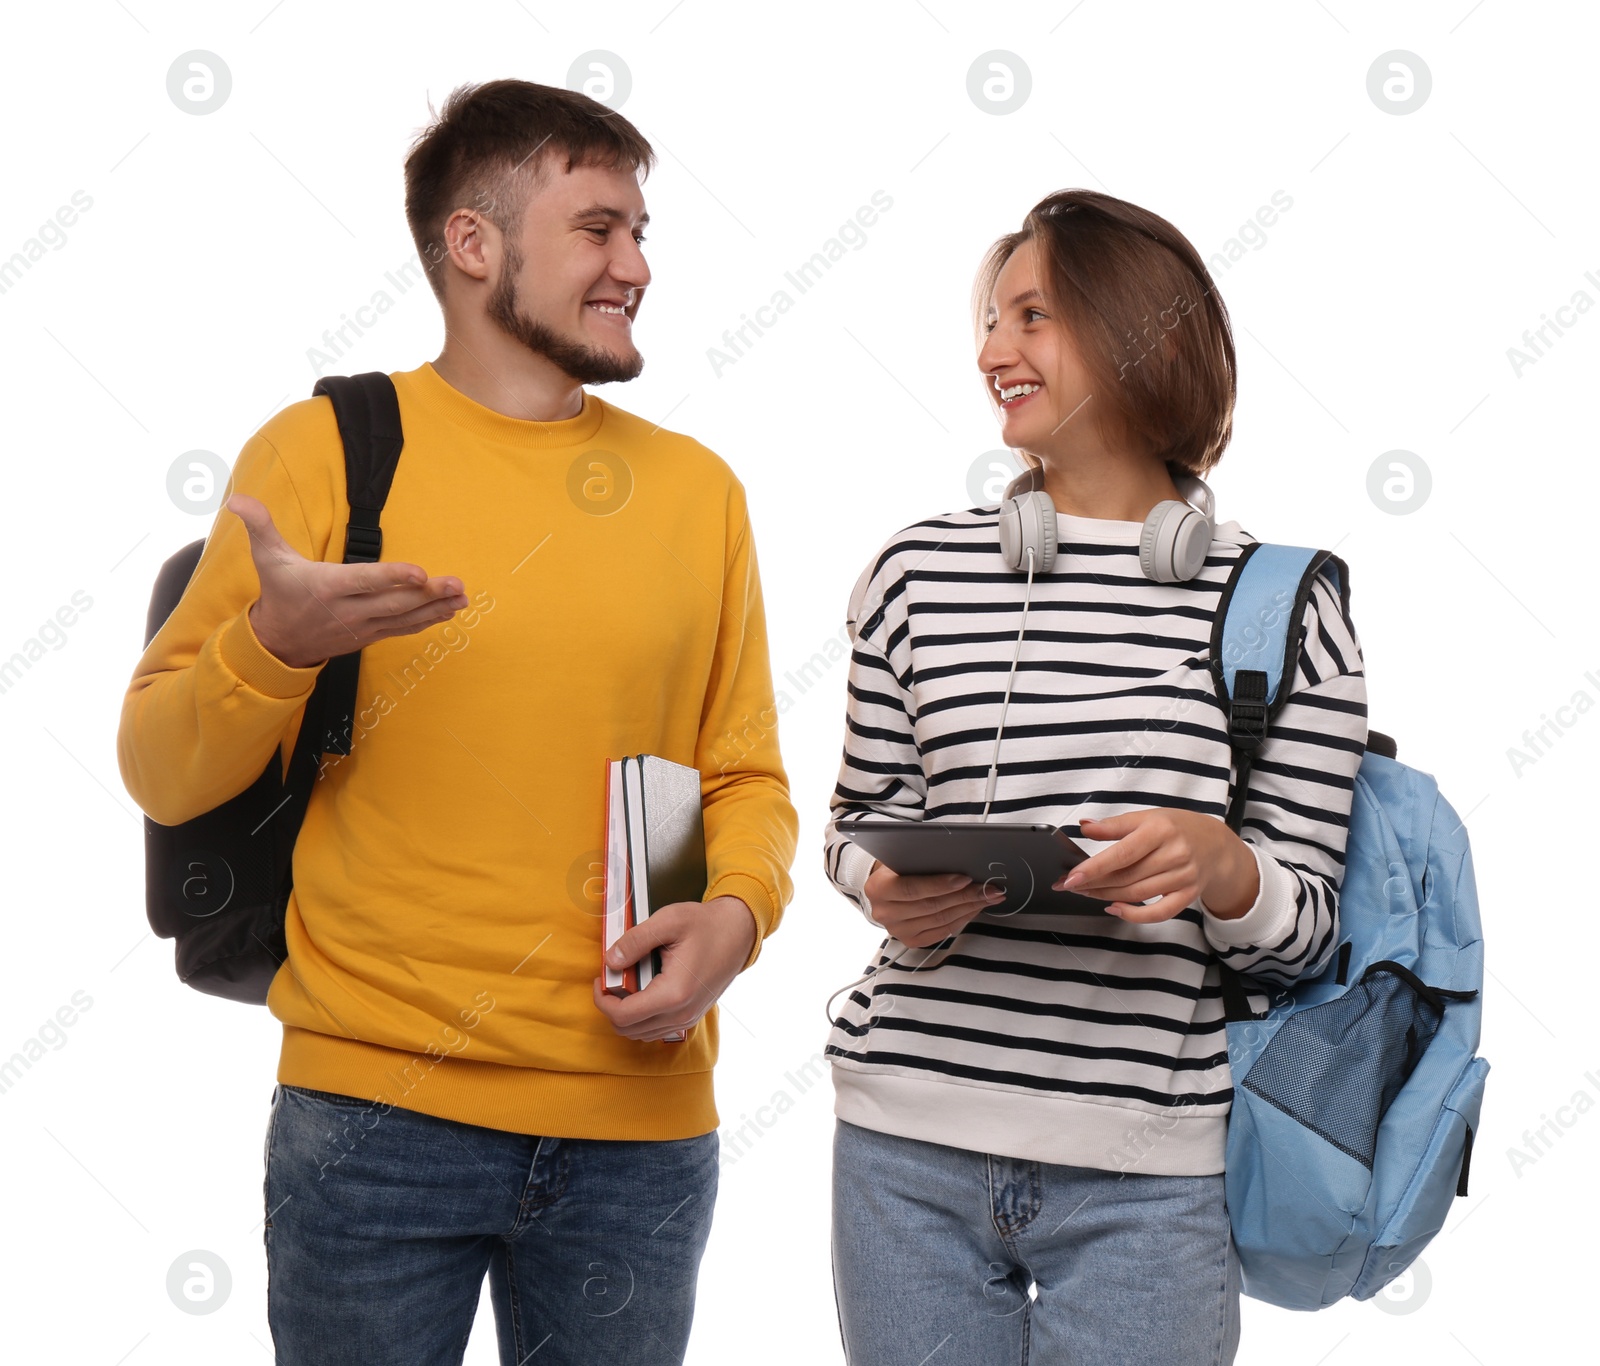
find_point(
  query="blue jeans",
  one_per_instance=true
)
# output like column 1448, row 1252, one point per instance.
column 960, row 1258
column 382, row 1223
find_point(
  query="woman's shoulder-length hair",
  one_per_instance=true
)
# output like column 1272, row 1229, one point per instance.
column 1145, row 315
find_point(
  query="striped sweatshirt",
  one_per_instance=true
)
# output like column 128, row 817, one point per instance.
column 1075, row 1039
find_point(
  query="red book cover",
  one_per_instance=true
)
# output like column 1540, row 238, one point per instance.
column 618, row 893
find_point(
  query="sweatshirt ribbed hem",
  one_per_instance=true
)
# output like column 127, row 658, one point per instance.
column 756, row 896
column 522, row 1100
column 1058, row 1129
column 855, row 867
column 1272, row 915
column 257, row 667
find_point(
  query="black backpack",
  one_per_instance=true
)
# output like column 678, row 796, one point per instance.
column 219, row 884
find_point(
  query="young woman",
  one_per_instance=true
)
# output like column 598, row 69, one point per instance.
column 1032, row 1107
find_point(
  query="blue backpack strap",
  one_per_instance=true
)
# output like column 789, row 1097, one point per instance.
column 1256, row 642
column 1255, row 653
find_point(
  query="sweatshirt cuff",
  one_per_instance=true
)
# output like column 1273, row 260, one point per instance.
column 855, row 866
column 1270, row 916
column 755, row 897
column 257, row 667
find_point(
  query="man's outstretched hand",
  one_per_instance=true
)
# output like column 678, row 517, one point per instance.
column 309, row 611
column 704, row 945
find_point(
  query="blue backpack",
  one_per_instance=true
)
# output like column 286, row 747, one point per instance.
column 1356, row 1092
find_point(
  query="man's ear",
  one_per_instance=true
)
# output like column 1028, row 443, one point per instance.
column 466, row 239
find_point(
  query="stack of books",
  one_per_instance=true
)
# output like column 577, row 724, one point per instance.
column 655, row 854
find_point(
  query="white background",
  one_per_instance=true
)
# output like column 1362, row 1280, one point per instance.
column 1374, row 315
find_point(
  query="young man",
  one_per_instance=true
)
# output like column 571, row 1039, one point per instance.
column 456, row 1094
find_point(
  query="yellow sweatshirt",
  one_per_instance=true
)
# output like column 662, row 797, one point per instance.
column 445, row 925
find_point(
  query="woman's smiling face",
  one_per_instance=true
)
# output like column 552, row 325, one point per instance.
column 1030, row 355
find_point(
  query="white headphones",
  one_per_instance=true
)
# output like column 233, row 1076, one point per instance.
column 1172, row 546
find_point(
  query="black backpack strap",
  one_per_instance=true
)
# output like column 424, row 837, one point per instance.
column 368, row 413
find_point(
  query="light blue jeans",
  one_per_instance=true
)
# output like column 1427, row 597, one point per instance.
column 955, row 1258
column 382, row 1224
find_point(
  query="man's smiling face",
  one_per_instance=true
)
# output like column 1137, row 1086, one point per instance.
column 573, row 278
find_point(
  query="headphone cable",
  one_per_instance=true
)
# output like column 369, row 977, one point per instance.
column 1005, row 705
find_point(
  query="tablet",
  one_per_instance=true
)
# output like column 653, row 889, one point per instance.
column 1024, row 859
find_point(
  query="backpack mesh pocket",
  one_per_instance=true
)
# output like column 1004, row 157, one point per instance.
column 1336, row 1067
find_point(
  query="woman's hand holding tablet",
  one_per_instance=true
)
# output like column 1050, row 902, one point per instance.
column 1160, row 861
column 924, row 908
column 950, row 864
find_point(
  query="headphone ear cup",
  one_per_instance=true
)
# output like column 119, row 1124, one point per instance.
column 1154, row 559
column 1028, row 522
column 1010, row 532
column 1047, row 527
column 1192, row 546
column 1174, row 542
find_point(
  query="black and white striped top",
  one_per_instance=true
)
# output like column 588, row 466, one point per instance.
column 1093, row 1042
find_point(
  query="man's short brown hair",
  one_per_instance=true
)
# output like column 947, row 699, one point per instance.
column 493, row 145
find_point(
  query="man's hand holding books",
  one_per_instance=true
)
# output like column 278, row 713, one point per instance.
column 703, row 947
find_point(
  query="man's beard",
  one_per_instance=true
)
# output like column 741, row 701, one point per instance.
column 585, row 364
